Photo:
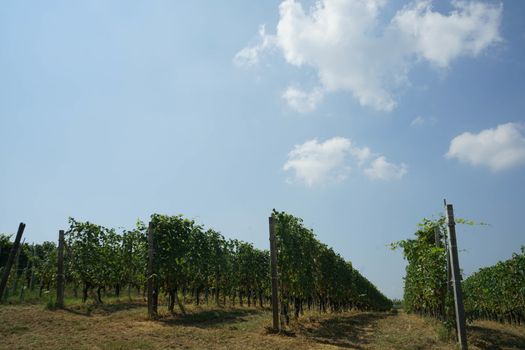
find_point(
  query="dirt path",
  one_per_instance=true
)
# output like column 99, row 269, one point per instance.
column 364, row 330
column 125, row 326
column 402, row 331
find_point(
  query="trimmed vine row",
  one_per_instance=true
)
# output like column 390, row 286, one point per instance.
column 196, row 265
column 498, row 292
column 493, row 293
column 425, row 290
column 312, row 274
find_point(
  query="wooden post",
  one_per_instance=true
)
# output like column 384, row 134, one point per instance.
column 275, row 281
column 11, row 258
column 456, row 277
column 152, row 274
column 60, row 271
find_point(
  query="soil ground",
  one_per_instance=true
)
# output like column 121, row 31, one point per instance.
column 124, row 325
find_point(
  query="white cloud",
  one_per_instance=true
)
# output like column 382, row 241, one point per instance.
column 467, row 30
column 352, row 51
column 420, row 121
column 499, row 149
column 316, row 163
column 417, row 121
column 380, row 169
column 302, row 101
column 361, row 154
column 250, row 56
column 336, row 39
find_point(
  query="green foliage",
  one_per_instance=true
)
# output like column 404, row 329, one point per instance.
column 190, row 258
column 312, row 273
column 134, row 256
column 44, row 263
column 98, row 257
column 426, row 275
column 497, row 292
column 201, row 261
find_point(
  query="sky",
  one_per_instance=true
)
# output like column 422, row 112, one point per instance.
column 359, row 117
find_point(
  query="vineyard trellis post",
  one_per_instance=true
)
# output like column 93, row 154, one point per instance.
column 275, row 290
column 456, row 277
column 152, row 274
column 11, row 258
column 60, row 271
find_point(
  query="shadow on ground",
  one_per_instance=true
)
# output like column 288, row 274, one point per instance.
column 104, row 309
column 492, row 339
column 210, row 318
column 348, row 331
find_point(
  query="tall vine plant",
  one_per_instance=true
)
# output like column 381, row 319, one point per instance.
column 498, row 292
column 427, row 285
column 313, row 275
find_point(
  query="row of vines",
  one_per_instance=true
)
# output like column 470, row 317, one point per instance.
column 194, row 265
column 189, row 258
column 495, row 293
column 312, row 274
column 426, row 288
column 34, row 270
column 498, row 292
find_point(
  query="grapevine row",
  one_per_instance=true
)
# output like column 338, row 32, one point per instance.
column 311, row 273
column 494, row 293
column 425, row 290
column 192, row 263
column 498, row 292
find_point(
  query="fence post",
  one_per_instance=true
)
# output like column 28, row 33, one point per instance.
column 152, row 273
column 11, row 258
column 456, row 277
column 275, row 286
column 60, row 271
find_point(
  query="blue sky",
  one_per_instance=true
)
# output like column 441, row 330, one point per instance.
column 359, row 119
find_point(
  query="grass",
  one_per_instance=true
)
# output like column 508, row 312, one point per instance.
column 492, row 335
column 120, row 324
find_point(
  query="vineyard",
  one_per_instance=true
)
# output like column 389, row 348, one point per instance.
column 493, row 293
column 425, row 289
column 197, row 265
column 190, row 275
column 498, row 292
column 313, row 274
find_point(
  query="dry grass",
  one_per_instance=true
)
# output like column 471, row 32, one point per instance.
column 492, row 335
column 403, row 331
column 126, row 326
column 123, row 325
